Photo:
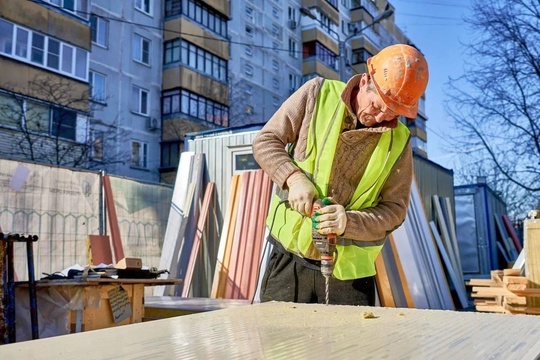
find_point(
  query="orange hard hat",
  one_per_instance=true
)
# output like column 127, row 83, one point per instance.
column 400, row 74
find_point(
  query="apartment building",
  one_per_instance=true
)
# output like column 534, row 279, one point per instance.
column 279, row 45
column 44, row 57
column 195, row 88
column 125, row 75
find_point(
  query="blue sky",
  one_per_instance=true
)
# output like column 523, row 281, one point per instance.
column 437, row 28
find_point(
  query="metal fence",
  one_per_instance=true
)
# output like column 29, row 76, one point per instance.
column 63, row 206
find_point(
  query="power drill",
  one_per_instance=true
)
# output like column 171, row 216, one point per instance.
column 326, row 245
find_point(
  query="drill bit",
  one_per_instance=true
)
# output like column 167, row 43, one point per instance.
column 326, row 245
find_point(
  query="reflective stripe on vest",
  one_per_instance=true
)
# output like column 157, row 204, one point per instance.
column 354, row 259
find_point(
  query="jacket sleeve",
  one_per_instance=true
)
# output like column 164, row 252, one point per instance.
column 377, row 222
column 285, row 127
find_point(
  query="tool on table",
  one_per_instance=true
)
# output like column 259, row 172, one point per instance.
column 326, row 245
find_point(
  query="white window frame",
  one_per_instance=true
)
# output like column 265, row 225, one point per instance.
column 143, row 155
column 98, row 137
column 79, row 10
column 292, row 48
column 102, row 26
column 138, row 54
column 275, row 64
column 79, row 56
column 141, row 4
column 139, row 101
column 234, row 151
column 91, row 80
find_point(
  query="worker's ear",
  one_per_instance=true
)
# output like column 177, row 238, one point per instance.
column 364, row 79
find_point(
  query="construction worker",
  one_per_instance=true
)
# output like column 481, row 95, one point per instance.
column 345, row 143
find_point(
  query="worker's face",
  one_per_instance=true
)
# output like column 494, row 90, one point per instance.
column 371, row 109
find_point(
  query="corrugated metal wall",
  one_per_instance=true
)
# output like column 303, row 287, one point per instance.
column 433, row 179
column 219, row 152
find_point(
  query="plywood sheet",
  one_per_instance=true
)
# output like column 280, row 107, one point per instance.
column 301, row 331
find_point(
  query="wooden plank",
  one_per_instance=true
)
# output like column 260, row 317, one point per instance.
column 220, row 268
column 113, row 220
column 532, row 254
column 383, row 284
column 197, row 241
column 99, row 247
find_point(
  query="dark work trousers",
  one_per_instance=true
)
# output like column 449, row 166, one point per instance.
column 287, row 279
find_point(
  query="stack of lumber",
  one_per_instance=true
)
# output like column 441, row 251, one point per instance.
column 506, row 292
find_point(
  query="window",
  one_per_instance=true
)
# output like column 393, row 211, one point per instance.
column 40, row 50
column 144, row 5
column 275, row 64
column 248, row 70
column 170, row 153
column 321, row 53
column 77, row 7
column 292, row 13
column 276, row 30
column 139, row 98
column 64, row 123
column 198, row 12
column 249, row 31
column 292, row 48
column 195, row 57
column 249, row 50
column 294, row 82
column 21, row 42
column 275, row 12
column 275, row 101
column 6, row 37
column 100, row 31
column 141, row 49
column 97, row 86
column 139, row 154
column 275, row 83
column 97, row 146
column 243, row 159
column 249, row 14
column 360, row 56
column 275, row 45
column 196, row 106
column 10, row 111
column 37, row 117
column 53, row 54
column 248, row 89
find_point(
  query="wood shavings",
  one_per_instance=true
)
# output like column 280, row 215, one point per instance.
column 369, row 315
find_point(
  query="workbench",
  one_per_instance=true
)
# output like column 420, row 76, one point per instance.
column 301, row 331
column 67, row 306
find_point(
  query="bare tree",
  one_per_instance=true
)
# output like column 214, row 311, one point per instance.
column 56, row 128
column 496, row 103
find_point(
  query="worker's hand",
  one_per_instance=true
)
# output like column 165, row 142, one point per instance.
column 301, row 193
column 330, row 219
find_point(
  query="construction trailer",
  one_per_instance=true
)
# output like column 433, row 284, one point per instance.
column 478, row 209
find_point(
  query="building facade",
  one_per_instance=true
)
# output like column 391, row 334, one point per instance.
column 136, row 76
column 44, row 57
column 125, row 77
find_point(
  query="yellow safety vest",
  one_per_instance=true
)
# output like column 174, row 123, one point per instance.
column 355, row 259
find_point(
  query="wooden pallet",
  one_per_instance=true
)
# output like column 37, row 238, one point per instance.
column 506, row 292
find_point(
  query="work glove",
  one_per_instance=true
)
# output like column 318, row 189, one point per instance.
column 301, row 193
column 330, row 219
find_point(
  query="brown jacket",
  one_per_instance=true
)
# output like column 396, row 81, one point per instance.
column 290, row 125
